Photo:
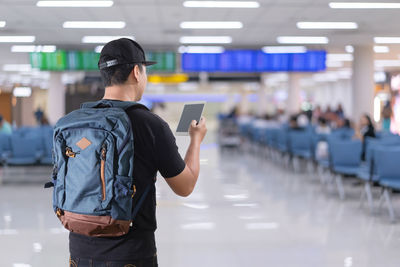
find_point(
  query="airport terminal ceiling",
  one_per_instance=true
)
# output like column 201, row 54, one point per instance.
column 156, row 23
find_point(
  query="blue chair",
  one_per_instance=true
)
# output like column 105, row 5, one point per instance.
column 300, row 144
column 345, row 160
column 5, row 146
column 299, row 147
column 270, row 138
column 315, row 139
column 257, row 134
column 47, row 140
column 389, row 174
column 368, row 171
column 24, row 151
column 23, row 131
column 282, row 140
column 385, row 134
column 343, row 133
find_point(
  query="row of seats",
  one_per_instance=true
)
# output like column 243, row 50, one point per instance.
column 27, row 146
column 343, row 159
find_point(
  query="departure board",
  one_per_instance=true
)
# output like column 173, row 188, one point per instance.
column 63, row 60
column 254, row 61
column 166, row 61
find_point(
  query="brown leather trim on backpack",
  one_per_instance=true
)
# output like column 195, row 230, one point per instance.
column 89, row 225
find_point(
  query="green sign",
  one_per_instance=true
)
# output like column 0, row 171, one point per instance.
column 49, row 61
column 166, row 61
column 62, row 60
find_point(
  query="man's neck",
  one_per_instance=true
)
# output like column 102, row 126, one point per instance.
column 120, row 92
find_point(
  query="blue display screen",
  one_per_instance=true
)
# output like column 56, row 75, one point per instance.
column 254, row 61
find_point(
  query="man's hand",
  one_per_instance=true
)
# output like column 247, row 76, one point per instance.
column 184, row 183
column 198, row 131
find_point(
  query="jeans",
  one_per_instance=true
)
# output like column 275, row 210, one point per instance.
column 78, row 262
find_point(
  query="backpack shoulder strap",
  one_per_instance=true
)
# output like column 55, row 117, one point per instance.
column 125, row 105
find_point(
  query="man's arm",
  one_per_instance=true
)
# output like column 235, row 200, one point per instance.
column 184, row 183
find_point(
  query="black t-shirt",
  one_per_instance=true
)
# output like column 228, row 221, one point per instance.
column 154, row 150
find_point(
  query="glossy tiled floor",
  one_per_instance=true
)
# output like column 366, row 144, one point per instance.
column 245, row 211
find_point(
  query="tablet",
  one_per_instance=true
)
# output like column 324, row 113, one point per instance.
column 191, row 111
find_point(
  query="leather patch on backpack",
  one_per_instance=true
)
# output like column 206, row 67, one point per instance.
column 83, row 143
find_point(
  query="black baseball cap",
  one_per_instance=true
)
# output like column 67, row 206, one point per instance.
column 122, row 51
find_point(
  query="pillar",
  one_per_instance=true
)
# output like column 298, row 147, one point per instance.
column 363, row 82
column 262, row 105
column 56, row 98
column 293, row 100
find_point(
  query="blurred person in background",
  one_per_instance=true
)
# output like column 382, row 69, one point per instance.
column 366, row 129
column 386, row 116
column 281, row 116
column 344, row 124
column 39, row 115
column 234, row 113
column 330, row 116
column 339, row 111
column 293, row 123
column 44, row 121
column 302, row 120
column 321, row 150
column 323, row 127
column 309, row 114
column 5, row 127
column 317, row 112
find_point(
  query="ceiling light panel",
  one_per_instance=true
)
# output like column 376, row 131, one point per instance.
column 22, row 91
column 349, row 49
column 94, row 24
column 205, row 40
column 74, row 3
column 17, row 39
column 222, row 4
column 387, row 63
column 326, row 25
column 33, row 48
column 387, row 40
column 102, row 39
column 381, row 49
column 2, row 24
column 201, row 49
column 211, row 25
column 339, row 57
column 302, row 40
column 364, row 5
column 17, row 67
column 334, row 64
column 284, row 49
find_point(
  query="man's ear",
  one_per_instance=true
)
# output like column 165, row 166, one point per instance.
column 136, row 73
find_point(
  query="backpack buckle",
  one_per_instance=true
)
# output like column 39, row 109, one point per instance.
column 134, row 191
column 59, row 212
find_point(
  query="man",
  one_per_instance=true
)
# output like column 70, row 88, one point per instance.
column 5, row 127
column 123, row 70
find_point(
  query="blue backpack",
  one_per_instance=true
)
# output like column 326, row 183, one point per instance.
column 92, row 175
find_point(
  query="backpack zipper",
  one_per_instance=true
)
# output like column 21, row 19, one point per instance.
column 70, row 153
column 102, row 170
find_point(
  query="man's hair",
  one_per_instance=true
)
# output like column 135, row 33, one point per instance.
column 118, row 74
column 1, row 118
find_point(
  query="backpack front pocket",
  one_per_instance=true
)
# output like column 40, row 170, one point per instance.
column 89, row 156
column 123, row 194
